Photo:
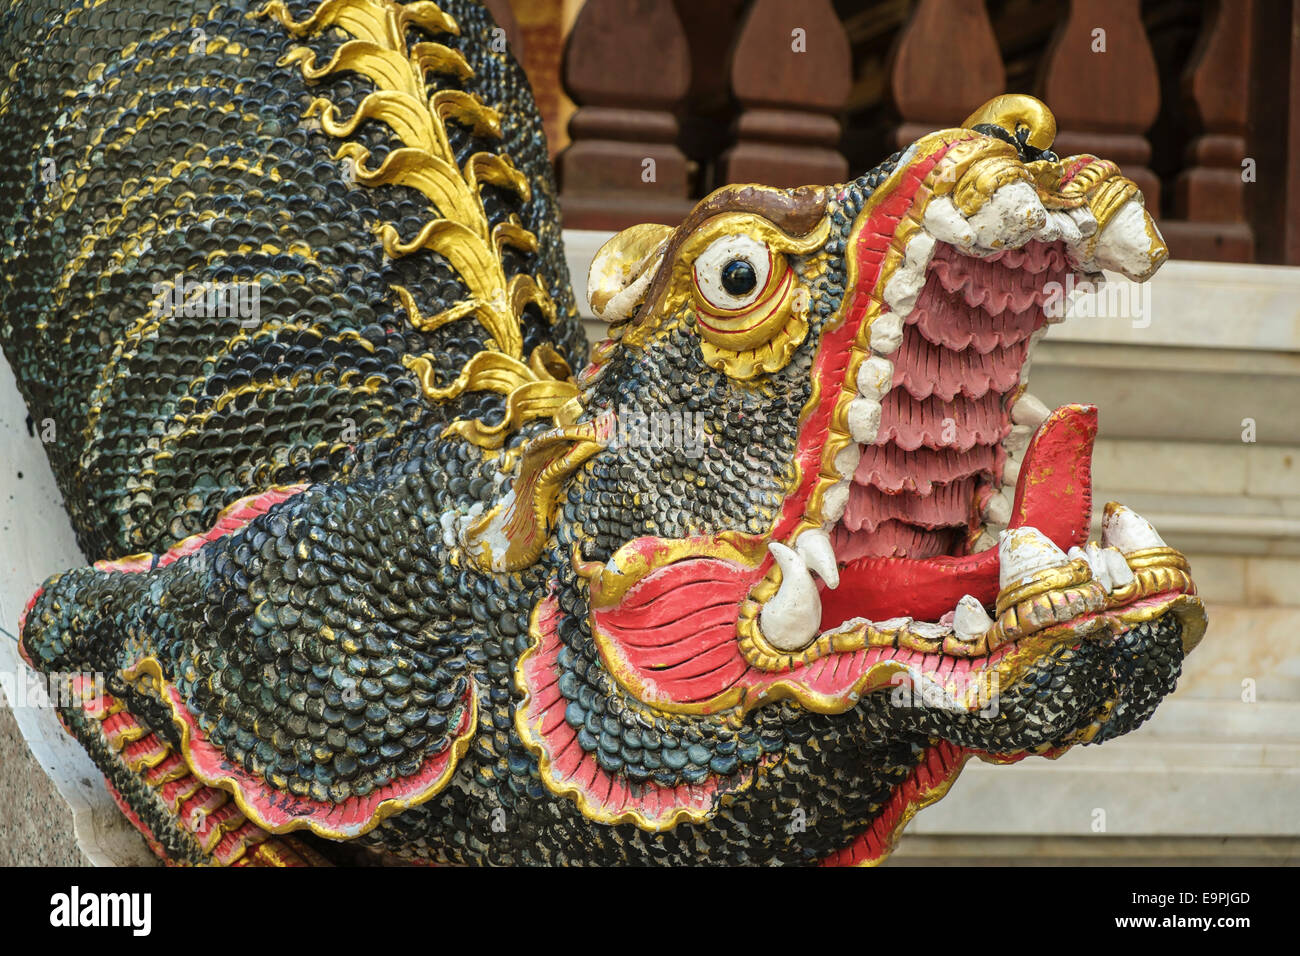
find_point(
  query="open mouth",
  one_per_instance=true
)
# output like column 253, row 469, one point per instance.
column 939, row 525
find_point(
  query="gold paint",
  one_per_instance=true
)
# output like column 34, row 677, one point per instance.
column 987, row 175
column 386, row 809
column 1013, row 111
column 926, row 797
column 967, row 153
column 610, row 582
column 621, row 260
column 564, row 788
column 525, row 517
column 426, row 162
column 779, row 327
column 542, row 388
column 1075, row 573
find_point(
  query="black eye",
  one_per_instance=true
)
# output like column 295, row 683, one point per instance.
column 738, row 277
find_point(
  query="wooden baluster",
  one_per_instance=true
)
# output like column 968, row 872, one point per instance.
column 946, row 64
column 627, row 66
column 708, row 112
column 1105, row 101
column 1209, row 196
column 1273, row 133
column 791, row 71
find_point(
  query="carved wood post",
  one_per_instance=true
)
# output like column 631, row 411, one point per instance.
column 627, row 66
column 791, row 71
column 1101, row 81
column 945, row 65
column 1273, row 133
column 1209, row 195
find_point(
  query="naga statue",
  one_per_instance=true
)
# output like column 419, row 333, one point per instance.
column 381, row 571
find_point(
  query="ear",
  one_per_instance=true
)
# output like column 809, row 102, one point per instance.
column 622, row 269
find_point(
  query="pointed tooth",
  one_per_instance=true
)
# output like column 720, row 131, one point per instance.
column 1083, row 220
column 1066, row 228
column 1051, row 230
column 1034, row 339
column 997, row 510
column 875, row 377
column 1017, row 440
column 834, row 501
column 1009, row 218
column 1100, row 570
column 1010, row 472
column 1121, row 574
column 1028, row 410
column 970, row 621
column 905, row 285
column 814, row 546
column 983, row 542
column 886, row 333
column 1023, row 552
column 945, row 223
column 1127, row 531
column 790, row 620
column 864, row 420
column 847, row 458
column 1131, row 243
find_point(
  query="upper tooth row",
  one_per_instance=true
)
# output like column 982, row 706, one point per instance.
column 1011, row 217
column 1025, row 552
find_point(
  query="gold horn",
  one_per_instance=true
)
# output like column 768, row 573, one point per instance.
column 1010, row 111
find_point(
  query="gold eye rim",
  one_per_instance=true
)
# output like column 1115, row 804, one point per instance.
column 755, row 325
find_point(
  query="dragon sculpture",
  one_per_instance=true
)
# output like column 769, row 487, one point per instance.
column 379, row 575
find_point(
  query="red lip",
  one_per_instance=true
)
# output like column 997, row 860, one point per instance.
column 1053, row 494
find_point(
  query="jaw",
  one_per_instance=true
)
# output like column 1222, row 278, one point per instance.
column 937, row 530
column 944, row 537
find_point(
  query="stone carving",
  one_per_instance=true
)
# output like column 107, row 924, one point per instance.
column 379, row 572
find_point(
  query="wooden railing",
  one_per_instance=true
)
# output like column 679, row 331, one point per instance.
column 1197, row 100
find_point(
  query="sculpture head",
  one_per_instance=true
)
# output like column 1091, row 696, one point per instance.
column 796, row 542
column 823, row 488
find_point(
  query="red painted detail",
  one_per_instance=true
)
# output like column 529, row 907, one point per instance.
column 279, row 811
column 155, row 846
column 574, row 771
column 872, row 244
column 956, row 371
column 674, row 634
column 673, row 638
column 233, row 844
column 769, row 303
column 232, row 518
column 22, row 623
column 1053, row 494
column 940, row 764
column 147, row 746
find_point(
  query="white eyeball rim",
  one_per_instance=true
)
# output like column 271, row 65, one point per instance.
column 709, row 264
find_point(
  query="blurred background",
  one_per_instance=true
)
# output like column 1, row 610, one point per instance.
column 1199, row 394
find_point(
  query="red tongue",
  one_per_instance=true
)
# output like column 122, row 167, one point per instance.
column 1054, row 495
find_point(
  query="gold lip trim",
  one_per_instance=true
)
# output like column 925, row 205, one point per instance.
column 573, row 791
